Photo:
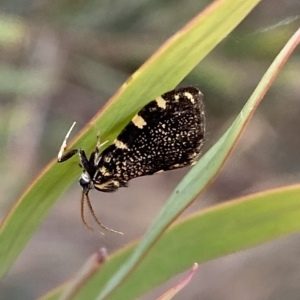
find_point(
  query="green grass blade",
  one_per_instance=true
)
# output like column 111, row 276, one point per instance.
column 172, row 62
column 203, row 173
column 215, row 232
column 229, row 228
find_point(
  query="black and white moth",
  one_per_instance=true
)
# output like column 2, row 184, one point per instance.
column 166, row 134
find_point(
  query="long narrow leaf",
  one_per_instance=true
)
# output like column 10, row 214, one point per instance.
column 202, row 174
column 171, row 63
column 212, row 233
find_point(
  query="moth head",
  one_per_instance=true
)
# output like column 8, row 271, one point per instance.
column 85, row 182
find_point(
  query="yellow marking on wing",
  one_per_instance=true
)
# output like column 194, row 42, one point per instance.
column 104, row 171
column 189, row 96
column 120, row 144
column 160, row 171
column 104, row 185
column 138, row 121
column 162, row 103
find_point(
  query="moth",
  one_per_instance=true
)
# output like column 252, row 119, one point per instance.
column 166, row 134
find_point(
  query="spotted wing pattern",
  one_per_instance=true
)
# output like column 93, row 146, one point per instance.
column 166, row 134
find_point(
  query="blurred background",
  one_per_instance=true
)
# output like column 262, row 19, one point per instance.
column 60, row 61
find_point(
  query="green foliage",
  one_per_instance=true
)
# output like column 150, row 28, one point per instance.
column 131, row 272
column 215, row 232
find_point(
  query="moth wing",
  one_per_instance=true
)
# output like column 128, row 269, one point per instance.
column 166, row 134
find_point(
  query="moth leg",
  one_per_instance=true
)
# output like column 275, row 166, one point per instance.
column 62, row 156
column 96, row 154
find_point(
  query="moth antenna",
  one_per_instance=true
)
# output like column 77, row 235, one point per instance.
column 64, row 143
column 86, row 197
column 83, row 198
